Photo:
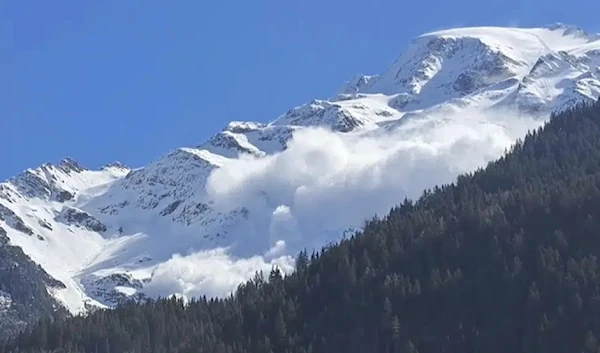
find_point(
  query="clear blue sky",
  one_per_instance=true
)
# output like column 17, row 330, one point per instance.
column 129, row 80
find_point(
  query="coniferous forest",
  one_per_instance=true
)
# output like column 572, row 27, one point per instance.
column 503, row 260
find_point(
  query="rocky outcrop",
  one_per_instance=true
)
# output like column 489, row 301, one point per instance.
column 24, row 296
column 321, row 114
column 113, row 289
column 81, row 219
column 170, row 208
column 14, row 221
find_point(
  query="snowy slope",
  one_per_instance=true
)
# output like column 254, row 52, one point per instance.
column 201, row 220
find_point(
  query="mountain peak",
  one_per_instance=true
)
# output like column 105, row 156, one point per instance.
column 356, row 83
column 208, row 197
column 115, row 165
column 457, row 63
column 70, row 165
column 566, row 28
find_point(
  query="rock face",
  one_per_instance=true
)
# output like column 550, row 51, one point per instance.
column 24, row 290
column 14, row 221
column 40, row 232
column 79, row 218
column 113, row 289
column 81, row 239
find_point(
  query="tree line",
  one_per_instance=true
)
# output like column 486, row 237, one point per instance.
column 504, row 259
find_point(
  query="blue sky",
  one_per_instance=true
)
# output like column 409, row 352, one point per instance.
column 129, row 80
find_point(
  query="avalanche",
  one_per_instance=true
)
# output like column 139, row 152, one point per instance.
column 201, row 220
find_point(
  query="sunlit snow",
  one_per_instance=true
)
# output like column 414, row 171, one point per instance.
column 201, row 220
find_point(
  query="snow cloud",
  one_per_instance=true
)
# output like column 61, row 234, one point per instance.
column 212, row 273
column 327, row 182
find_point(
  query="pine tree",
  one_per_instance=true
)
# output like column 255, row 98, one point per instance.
column 503, row 260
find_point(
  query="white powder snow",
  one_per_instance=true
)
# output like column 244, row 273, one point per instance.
column 199, row 221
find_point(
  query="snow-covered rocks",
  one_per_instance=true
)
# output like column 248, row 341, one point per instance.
column 5, row 302
column 14, row 221
column 72, row 216
column 203, row 219
column 321, row 114
column 112, row 289
column 467, row 62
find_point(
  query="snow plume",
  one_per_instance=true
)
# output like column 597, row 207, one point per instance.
column 213, row 273
column 326, row 182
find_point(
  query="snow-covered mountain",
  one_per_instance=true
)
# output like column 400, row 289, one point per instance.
column 200, row 220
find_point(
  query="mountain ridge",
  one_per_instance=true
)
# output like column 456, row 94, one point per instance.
column 502, row 259
column 108, row 234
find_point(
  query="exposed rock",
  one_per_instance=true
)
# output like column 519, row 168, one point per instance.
column 31, row 185
column 191, row 212
column 114, row 209
column 69, row 165
column 14, row 221
column 355, row 84
column 45, row 224
column 229, row 140
column 63, row 195
column 115, row 165
column 114, row 289
column 170, row 208
column 79, row 218
column 24, row 297
column 321, row 113
column 441, row 72
column 42, row 183
column 3, row 237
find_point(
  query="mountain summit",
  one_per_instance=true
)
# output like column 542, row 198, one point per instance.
column 201, row 220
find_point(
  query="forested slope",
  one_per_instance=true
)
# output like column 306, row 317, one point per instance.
column 504, row 260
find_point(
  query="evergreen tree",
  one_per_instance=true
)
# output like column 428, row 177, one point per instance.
column 503, row 260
